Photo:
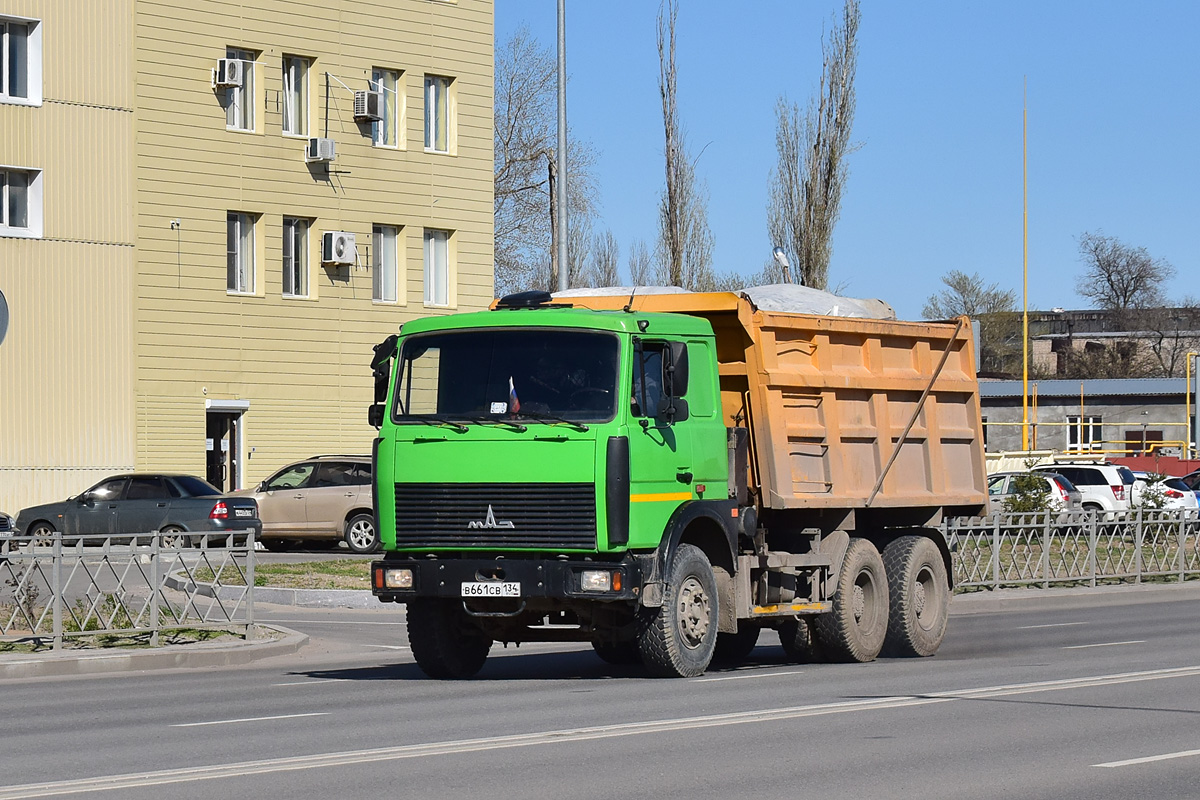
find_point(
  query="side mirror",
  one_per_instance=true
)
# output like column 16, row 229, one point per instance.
column 677, row 369
column 673, row 409
column 375, row 415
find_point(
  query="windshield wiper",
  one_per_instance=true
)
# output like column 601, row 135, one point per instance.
column 579, row 426
column 436, row 421
column 516, row 426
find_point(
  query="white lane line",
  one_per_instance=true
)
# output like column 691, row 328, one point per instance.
column 388, row 646
column 312, row 683
column 329, row 622
column 745, row 677
column 248, row 719
column 1103, row 644
column 553, row 737
column 1149, row 759
column 1051, row 625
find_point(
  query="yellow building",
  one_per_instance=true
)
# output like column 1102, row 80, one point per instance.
column 213, row 210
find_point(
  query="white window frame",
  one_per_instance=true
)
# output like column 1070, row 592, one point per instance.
column 239, row 252
column 438, row 267
column 295, row 256
column 295, row 98
column 33, row 227
column 33, row 61
column 438, row 118
column 240, row 100
column 385, row 263
column 393, row 108
column 1084, row 433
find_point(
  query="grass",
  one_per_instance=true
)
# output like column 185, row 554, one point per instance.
column 332, row 574
column 134, row 640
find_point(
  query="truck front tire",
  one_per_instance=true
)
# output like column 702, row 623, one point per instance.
column 443, row 641
column 856, row 627
column 678, row 639
column 920, row 597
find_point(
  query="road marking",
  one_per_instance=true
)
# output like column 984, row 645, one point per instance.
column 328, row 622
column 388, row 646
column 1149, row 759
column 553, row 737
column 248, row 719
column 1104, row 644
column 744, row 677
column 312, row 683
column 1051, row 625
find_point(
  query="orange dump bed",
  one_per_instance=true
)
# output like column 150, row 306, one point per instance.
column 844, row 413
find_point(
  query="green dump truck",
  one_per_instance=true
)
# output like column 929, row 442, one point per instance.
column 664, row 476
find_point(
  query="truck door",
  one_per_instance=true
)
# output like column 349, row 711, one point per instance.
column 660, row 455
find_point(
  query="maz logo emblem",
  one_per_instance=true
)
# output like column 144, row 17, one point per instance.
column 490, row 521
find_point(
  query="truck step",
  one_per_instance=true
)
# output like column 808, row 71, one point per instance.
column 790, row 609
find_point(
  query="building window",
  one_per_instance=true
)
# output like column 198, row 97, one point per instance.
column 20, row 203
column 239, row 100
column 20, row 61
column 295, row 257
column 385, row 260
column 437, row 114
column 240, row 252
column 386, row 132
column 437, row 268
column 1083, row 434
column 295, row 95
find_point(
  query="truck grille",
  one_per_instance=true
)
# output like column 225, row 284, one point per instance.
column 550, row 516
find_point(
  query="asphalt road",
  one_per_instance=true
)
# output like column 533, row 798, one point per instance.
column 1065, row 696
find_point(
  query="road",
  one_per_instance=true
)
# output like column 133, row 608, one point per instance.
column 1063, row 696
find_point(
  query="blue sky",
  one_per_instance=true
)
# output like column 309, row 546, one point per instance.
column 1114, row 130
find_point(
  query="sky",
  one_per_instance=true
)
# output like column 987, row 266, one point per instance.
column 1113, row 97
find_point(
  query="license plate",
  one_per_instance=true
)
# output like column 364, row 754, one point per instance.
column 491, row 589
column 243, row 512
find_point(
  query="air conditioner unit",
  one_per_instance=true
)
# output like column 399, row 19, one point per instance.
column 337, row 247
column 320, row 149
column 230, row 72
column 368, row 106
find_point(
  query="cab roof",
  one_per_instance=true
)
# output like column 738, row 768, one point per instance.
column 563, row 316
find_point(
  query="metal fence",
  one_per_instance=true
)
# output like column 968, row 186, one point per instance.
column 53, row 591
column 1080, row 548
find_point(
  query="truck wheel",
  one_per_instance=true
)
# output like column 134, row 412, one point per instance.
column 361, row 536
column 799, row 640
column 678, row 640
column 919, row 594
column 621, row 653
column 443, row 642
column 734, row 648
column 855, row 629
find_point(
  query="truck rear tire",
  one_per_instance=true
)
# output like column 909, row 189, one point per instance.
column 734, row 648
column 799, row 640
column 855, row 629
column 443, row 642
column 678, row 639
column 919, row 595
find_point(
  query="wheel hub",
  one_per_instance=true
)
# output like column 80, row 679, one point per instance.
column 859, row 601
column 695, row 613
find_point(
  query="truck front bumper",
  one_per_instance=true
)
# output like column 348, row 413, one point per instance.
column 400, row 579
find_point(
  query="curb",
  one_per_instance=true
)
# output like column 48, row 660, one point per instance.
column 301, row 598
column 78, row 662
column 1032, row 598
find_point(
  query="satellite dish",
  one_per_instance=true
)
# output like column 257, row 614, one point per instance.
column 3, row 317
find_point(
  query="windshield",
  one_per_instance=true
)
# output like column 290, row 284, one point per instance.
column 481, row 375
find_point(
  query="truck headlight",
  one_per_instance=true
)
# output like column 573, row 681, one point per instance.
column 398, row 578
column 596, row 580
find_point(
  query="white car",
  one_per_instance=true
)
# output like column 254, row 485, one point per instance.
column 1103, row 486
column 1175, row 493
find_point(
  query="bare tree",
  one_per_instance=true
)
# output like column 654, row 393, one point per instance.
column 606, row 257
column 1172, row 333
column 1119, row 277
column 579, row 254
column 967, row 294
column 525, row 132
column 685, row 241
column 639, row 263
column 806, row 186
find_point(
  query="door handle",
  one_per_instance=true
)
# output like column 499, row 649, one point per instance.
column 349, row 494
column 683, row 477
column 298, row 496
column 162, row 505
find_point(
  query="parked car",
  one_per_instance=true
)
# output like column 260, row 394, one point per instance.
column 180, row 507
column 1192, row 481
column 1103, row 486
column 322, row 499
column 1063, row 494
column 7, row 524
column 1175, row 493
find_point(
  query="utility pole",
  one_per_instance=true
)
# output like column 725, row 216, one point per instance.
column 561, row 216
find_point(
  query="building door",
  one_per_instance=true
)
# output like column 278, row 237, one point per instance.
column 223, row 440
